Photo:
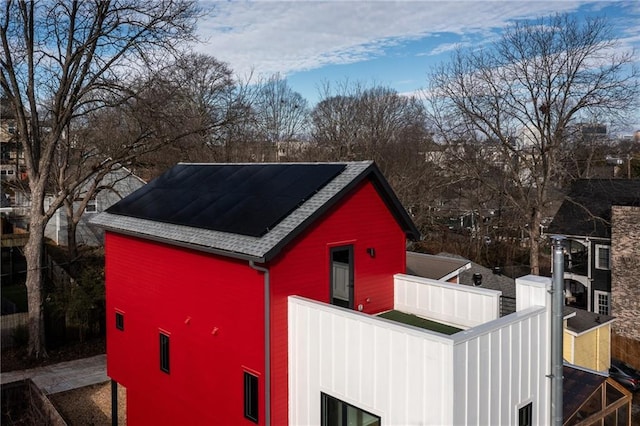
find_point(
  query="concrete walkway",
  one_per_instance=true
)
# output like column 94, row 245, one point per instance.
column 64, row 376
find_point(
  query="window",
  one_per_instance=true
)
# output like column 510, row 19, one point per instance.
column 339, row 413
column 164, row 352
column 602, row 302
column 92, row 206
column 120, row 321
column 603, row 257
column 525, row 415
column 251, row 397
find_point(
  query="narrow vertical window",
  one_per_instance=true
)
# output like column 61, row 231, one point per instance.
column 525, row 415
column 164, row 352
column 251, row 397
column 120, row 321
column 603, row 257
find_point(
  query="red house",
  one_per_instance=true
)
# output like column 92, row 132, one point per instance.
column 199, row 265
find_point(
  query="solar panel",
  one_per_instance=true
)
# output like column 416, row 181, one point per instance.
column 246, row 199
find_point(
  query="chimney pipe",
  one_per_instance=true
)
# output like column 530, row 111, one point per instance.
column 477, row 279
column 557, row 307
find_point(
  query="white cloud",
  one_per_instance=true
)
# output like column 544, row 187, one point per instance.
column 286, row 37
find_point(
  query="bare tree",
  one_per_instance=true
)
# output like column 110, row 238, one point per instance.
column 60, row 60
column 281, row 113
column 354, row 122
column 522, row 94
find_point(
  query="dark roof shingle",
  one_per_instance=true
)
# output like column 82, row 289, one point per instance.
column 586, row 211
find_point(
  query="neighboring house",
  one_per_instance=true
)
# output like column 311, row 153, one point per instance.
column 12, row 163
column 600, row 219
column 116, row 185
column 274, row 294
column 585, row 219
column 436, row 267
column 457, row 269
column 587, row 339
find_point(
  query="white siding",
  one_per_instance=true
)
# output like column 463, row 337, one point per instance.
column 453, row 304
column 499, row 366
column 408, row 376
column 399, row 373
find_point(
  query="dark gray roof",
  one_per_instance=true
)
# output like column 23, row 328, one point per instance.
column 262, row 247
column 580, row 320
column 490, row 280
column 586, row 211
column 432, row 266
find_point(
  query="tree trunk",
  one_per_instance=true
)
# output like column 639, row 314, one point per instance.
column 72, row 226
column 534, row 243
column 34, row 257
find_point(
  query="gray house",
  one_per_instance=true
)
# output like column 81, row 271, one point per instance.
column 116, row 185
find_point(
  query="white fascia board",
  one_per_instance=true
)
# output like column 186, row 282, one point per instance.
column 471, row 333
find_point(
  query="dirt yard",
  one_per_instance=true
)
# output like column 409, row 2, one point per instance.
column 90, row 405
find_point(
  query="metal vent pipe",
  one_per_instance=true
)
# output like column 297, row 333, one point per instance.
column 557, row 316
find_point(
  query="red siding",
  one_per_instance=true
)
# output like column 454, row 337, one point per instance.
column 361, row 219
column 189, row 295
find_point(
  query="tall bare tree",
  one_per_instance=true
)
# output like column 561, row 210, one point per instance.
column 522, row 94
column 280, row 112
column 60, row 60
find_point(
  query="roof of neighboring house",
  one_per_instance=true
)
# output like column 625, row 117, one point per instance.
column 586, row 211
column 249, row 211
column 435, row 267
column 490, row 279
column 579, row 320
column 578, row 385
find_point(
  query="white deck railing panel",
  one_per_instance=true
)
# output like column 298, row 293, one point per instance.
column 458, row 305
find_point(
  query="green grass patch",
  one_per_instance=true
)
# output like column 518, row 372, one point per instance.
column 416, row 321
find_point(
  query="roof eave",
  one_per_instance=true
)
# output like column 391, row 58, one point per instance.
column 183, row 244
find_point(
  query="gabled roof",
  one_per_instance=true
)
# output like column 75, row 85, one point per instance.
column 249, row 211
column 435, row 267
column 586, row 211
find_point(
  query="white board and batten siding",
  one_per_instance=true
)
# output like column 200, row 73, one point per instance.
column 408, row 376
column 459, row 306
column 501, row 366
column 401, row 374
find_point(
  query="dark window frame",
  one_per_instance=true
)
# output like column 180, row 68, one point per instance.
column 325, row 399
column 525, row 415
column 120, row 321
column 251, row 396
column 164, row 352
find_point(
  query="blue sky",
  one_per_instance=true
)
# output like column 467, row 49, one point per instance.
column 385, row 43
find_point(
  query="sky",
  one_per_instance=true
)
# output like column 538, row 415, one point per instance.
column 391, row 44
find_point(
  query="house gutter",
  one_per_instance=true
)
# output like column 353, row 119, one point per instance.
column 557, row 317
column 267, row 340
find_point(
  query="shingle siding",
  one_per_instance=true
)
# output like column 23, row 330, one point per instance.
column 625, row 277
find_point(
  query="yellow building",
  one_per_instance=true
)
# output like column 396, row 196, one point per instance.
column 587, row 339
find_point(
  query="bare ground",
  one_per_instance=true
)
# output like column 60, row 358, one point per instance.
column 90, row 405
